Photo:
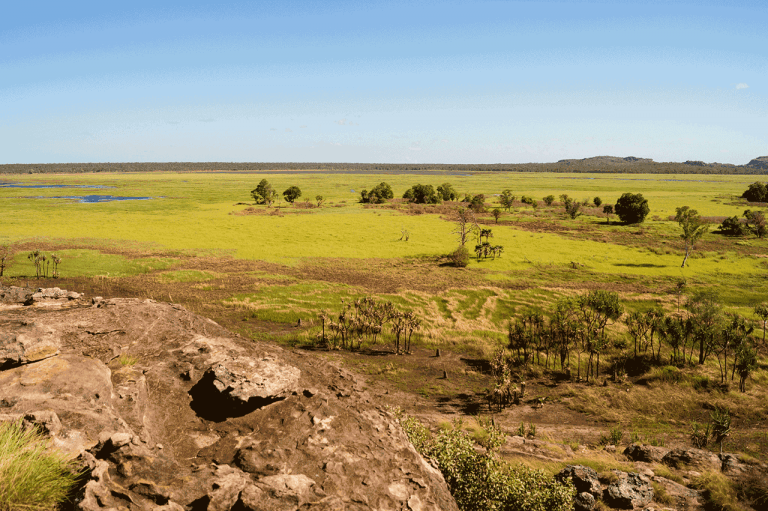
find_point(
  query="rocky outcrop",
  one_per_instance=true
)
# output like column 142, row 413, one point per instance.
column 630, row 491
column 584, row 479
column 170, row 411
column 645, row 453
column 692, row 458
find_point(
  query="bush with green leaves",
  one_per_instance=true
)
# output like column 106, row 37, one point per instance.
column 422, row 194
column 549, row 199
column 33, row 475
column 446, row 192
column 478, row 479
column 756, row 192
column 291, row 194
column 378, row 195
column 264, row 193
column 733, row 227
column 631, row 208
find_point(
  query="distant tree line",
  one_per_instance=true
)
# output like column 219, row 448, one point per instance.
column 575, row 166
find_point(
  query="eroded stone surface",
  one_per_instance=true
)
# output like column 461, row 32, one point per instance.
column 122, row 387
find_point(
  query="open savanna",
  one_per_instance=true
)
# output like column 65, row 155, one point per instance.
column 201, row 241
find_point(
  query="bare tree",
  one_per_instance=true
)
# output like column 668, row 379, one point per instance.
column 466, row 225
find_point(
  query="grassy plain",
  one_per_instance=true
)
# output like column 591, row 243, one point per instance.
column 258, row 270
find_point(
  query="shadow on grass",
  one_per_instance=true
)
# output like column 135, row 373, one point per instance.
column 641, row 265
column 468, row 404
column 478, row 365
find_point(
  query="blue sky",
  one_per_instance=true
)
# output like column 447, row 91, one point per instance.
column 419, row 81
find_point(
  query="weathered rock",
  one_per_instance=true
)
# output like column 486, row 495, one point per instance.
column 645, row 453
column 128, row 389
column 630, row 491
column 685, row 498
column 29, row 343
column 731, row 465
column 584, row 479
column 584, row 502
column 692, row 458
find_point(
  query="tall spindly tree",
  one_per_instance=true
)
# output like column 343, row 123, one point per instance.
column 693, row 226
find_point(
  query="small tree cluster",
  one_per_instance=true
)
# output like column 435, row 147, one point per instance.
column 484, row 248
column 549, row 199
column 363, row 320
column 43, row 264
column 378, row 195
column 422, row 194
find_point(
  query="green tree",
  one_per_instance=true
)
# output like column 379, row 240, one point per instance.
column 693, row 226
column 446, row 192
column 597, row 201
column 319, row 199
column 291, row 194
column 631, row 208
column 733, row 227
column 422, row 194
column 264, row 193
column 756, row 223
column 378, row 195
column 573, row 209
column 706, row 314
column 608, row 211
column 507, row 199
column 756, row 192
column 477, row 204
column 549, row 199
column 496, row 214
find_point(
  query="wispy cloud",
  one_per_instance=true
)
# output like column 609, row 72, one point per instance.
column 272, row 129
column 346, row 122
column 742, row 86
column 207, row 120
column 288, row 130
column 302, row 126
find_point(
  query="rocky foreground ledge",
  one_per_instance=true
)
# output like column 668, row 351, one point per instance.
column 168, row 411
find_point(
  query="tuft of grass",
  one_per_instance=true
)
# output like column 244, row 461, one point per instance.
column 660, row 494
column 665, row 472
column 718, row 491
column 33, row 475
column 127, row 360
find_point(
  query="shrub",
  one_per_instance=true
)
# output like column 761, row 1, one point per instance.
column 478, row 479
column 33, row 475
column 549, row 199
column 422, row 194
column 756, row 192
column 718, row 491
column 291, row 194
column 460, row 257
column 597, row 201
column 631, row 208
column 613, row 438
column 378, row 195
column 733, row 227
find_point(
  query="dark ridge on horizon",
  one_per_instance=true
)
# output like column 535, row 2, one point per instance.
column 595, row 164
